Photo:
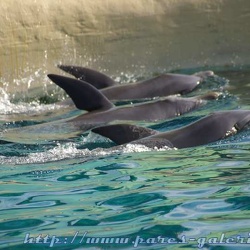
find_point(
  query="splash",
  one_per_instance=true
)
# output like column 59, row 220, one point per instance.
column 7, row 107
column 60, row 152
column 137, row 148
column 33, row 108
column 70, row 151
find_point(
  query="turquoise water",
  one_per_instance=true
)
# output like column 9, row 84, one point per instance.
column 81, row 194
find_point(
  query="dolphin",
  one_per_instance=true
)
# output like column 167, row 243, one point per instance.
column 211, row 128
column 162, row 85
column 101, row 109
column 100, row 112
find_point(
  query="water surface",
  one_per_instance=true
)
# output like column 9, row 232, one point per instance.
column 82, row 194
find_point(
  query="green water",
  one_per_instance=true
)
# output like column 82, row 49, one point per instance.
column 72, row 195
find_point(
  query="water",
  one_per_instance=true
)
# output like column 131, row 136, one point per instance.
column 81, row 194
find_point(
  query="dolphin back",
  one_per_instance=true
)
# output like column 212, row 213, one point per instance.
column 211, row 128
column 124, row 133
column 152, row 142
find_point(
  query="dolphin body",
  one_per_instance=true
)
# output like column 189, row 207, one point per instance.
column 162, row 85
column 102, row 110
column 211, row 128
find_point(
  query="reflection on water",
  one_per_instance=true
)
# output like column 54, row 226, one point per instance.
column 148, row 194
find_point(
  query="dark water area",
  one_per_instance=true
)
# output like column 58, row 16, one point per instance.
column 82, row 194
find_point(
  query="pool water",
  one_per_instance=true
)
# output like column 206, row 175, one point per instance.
column 81, row 193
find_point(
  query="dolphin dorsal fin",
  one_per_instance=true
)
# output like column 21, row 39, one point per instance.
column 93, row 77
column 84, row 96
column 124, row 133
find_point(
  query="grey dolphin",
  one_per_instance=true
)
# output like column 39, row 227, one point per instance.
column 87, row 97
column 206, row 130
column 162, row 85
column 100, row 112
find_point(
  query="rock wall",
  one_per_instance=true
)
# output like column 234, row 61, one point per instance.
column 122, row 35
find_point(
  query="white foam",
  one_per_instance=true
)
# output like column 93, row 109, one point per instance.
column 131, row 148
column 70, row 151
column 61, row 151
column 33, row 108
